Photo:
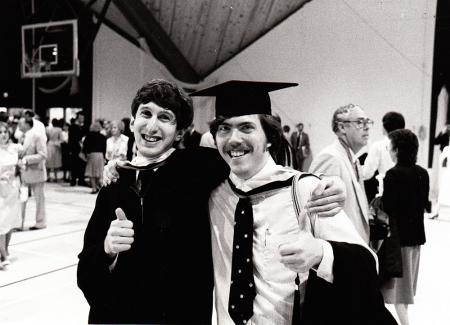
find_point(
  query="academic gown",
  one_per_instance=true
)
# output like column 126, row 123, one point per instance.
column 166, row 277
column 353, row 298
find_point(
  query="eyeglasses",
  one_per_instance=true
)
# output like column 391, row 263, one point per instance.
column 361, row 123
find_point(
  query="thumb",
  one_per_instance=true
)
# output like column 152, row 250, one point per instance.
column 320, row 187
column 120, row 214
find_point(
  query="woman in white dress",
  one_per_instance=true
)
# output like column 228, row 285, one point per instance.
column 9, row 191
column 117, row 143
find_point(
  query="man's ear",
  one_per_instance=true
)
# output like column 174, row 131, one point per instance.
column 179, row 135
column 341, row 127
column 132, row 124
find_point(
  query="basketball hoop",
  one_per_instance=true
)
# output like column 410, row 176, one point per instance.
column 50, row 49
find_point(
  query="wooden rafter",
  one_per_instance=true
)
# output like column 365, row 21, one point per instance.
column 158, row 41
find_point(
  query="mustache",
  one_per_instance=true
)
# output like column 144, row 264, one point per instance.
column 237, row 147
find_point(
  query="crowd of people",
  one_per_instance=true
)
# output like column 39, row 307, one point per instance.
column 32, row 154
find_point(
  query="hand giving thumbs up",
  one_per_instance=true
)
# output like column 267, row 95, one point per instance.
column 120, row 234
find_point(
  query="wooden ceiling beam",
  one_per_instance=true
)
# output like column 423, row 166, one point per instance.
column 158, row 41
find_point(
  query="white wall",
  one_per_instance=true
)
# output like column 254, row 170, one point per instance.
column 377, row 54
column 119, row 70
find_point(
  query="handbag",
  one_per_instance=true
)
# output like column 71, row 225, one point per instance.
column 82, row 156
column 390, row 256
column 379, row 221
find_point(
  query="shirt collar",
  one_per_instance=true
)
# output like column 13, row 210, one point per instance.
column 352, row 156
column 269, row 173
column 143, row 161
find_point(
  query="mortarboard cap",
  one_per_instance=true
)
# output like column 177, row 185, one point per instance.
column 238, row 97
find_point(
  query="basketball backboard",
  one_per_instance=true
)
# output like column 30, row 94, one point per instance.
column 50, row 49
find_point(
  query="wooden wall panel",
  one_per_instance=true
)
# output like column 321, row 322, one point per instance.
column 210, row 32
column 280, row 10
column 216, row 23
column 239, row 20
column 258, row 16
column 154, row 6
column 166, row 15
column 184, row 25
column 192, row 43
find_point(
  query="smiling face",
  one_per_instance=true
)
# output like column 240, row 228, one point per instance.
column 242, row 143
column 155, row 130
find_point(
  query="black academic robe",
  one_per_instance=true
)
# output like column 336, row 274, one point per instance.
column 353, row 298
column 166, row 277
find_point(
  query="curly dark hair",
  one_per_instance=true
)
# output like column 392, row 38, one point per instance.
column 273, row 131
column 406, row 144
column 168, row 95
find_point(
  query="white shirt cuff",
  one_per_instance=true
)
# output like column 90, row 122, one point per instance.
column 325, row 269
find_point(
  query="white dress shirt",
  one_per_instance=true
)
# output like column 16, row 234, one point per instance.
column 275, row 222
column 378, row 158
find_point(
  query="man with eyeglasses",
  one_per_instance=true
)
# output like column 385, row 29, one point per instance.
column 351, row 126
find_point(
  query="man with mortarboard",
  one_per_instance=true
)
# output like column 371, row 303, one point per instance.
column 264, row 240
column 146, row 257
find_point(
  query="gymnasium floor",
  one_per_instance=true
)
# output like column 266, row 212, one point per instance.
column 39, row 286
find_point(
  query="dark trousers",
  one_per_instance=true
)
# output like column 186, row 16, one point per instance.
column 77, row 167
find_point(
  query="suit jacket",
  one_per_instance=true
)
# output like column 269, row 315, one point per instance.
column 35, row 152
column 297, row 144
column 333, row 161
column 442, row 140
column 405, row 197
column 191, row 139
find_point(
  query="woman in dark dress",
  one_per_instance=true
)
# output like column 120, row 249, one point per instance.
column 405, row 196
column 94, row 146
